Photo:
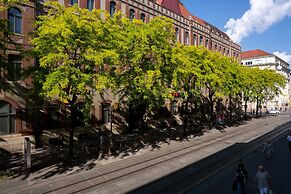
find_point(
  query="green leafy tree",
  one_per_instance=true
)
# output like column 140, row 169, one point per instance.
column 270, row 84
column 144, row 74
column 231, row 87
column 212, row 72
column 5, row 4
column 76, row 52
column 259, row 85
column 187, row 75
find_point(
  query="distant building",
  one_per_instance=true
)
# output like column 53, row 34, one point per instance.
column 264, row 60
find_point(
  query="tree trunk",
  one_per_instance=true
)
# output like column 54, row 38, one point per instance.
column 73, row 122
column 246, row 105
column 257, row 107
column 185, row 116
column 230, row 107
column 211, row 105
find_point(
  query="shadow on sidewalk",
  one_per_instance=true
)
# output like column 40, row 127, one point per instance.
column 51, row 161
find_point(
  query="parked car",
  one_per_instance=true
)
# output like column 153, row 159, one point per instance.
column 273, row 112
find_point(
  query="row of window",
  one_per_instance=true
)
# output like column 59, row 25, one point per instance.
column 8, row 117
column 90, row 4
column 201, row 40
column 132, row 16
column 195, row 39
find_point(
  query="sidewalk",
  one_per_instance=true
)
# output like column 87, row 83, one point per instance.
column 120, row 176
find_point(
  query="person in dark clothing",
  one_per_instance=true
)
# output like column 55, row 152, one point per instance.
column 241, row 177
column 289, row 141
column 61, row 140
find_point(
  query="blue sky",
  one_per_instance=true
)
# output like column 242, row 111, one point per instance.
column 255, row 24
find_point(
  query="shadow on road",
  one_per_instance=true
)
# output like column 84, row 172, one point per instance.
column 179, row 181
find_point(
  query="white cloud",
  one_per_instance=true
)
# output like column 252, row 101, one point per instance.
column 284, row 56
column 261, row 15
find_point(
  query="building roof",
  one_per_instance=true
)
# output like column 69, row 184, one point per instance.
column 172, row 5
column 254, row 54
column 177, row 7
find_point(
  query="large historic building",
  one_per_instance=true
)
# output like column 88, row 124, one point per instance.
column 14, row 106
column 264, row 60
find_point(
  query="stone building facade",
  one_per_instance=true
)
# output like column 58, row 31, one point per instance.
column 14, row 107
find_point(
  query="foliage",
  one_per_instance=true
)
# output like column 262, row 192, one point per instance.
column 5, row 4
column 144, row 72
column 75, row 51
column 188, row 72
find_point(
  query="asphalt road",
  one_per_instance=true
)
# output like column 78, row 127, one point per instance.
column 278, row 166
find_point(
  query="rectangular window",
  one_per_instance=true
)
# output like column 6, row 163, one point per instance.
column 18, row 24
column 177, row 34
column 106, row 113
column 90, row 5
column 174, row 108
column 14, row 67
column 73, row 2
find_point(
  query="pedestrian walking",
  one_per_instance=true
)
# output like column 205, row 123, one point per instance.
column 289, row 141
column 268, row 149
column 241, row 178
column 264, row 180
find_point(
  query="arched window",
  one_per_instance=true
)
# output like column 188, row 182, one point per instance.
column 131, row 14
column 73, row 2
column 90, row 5
column 15, row 20
column 195, row 39
column 201, row 40
column 143, row 17
column 177, row 34
column 112, row 8
column 187, row 38
column 7, row 118
column 206, row 43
